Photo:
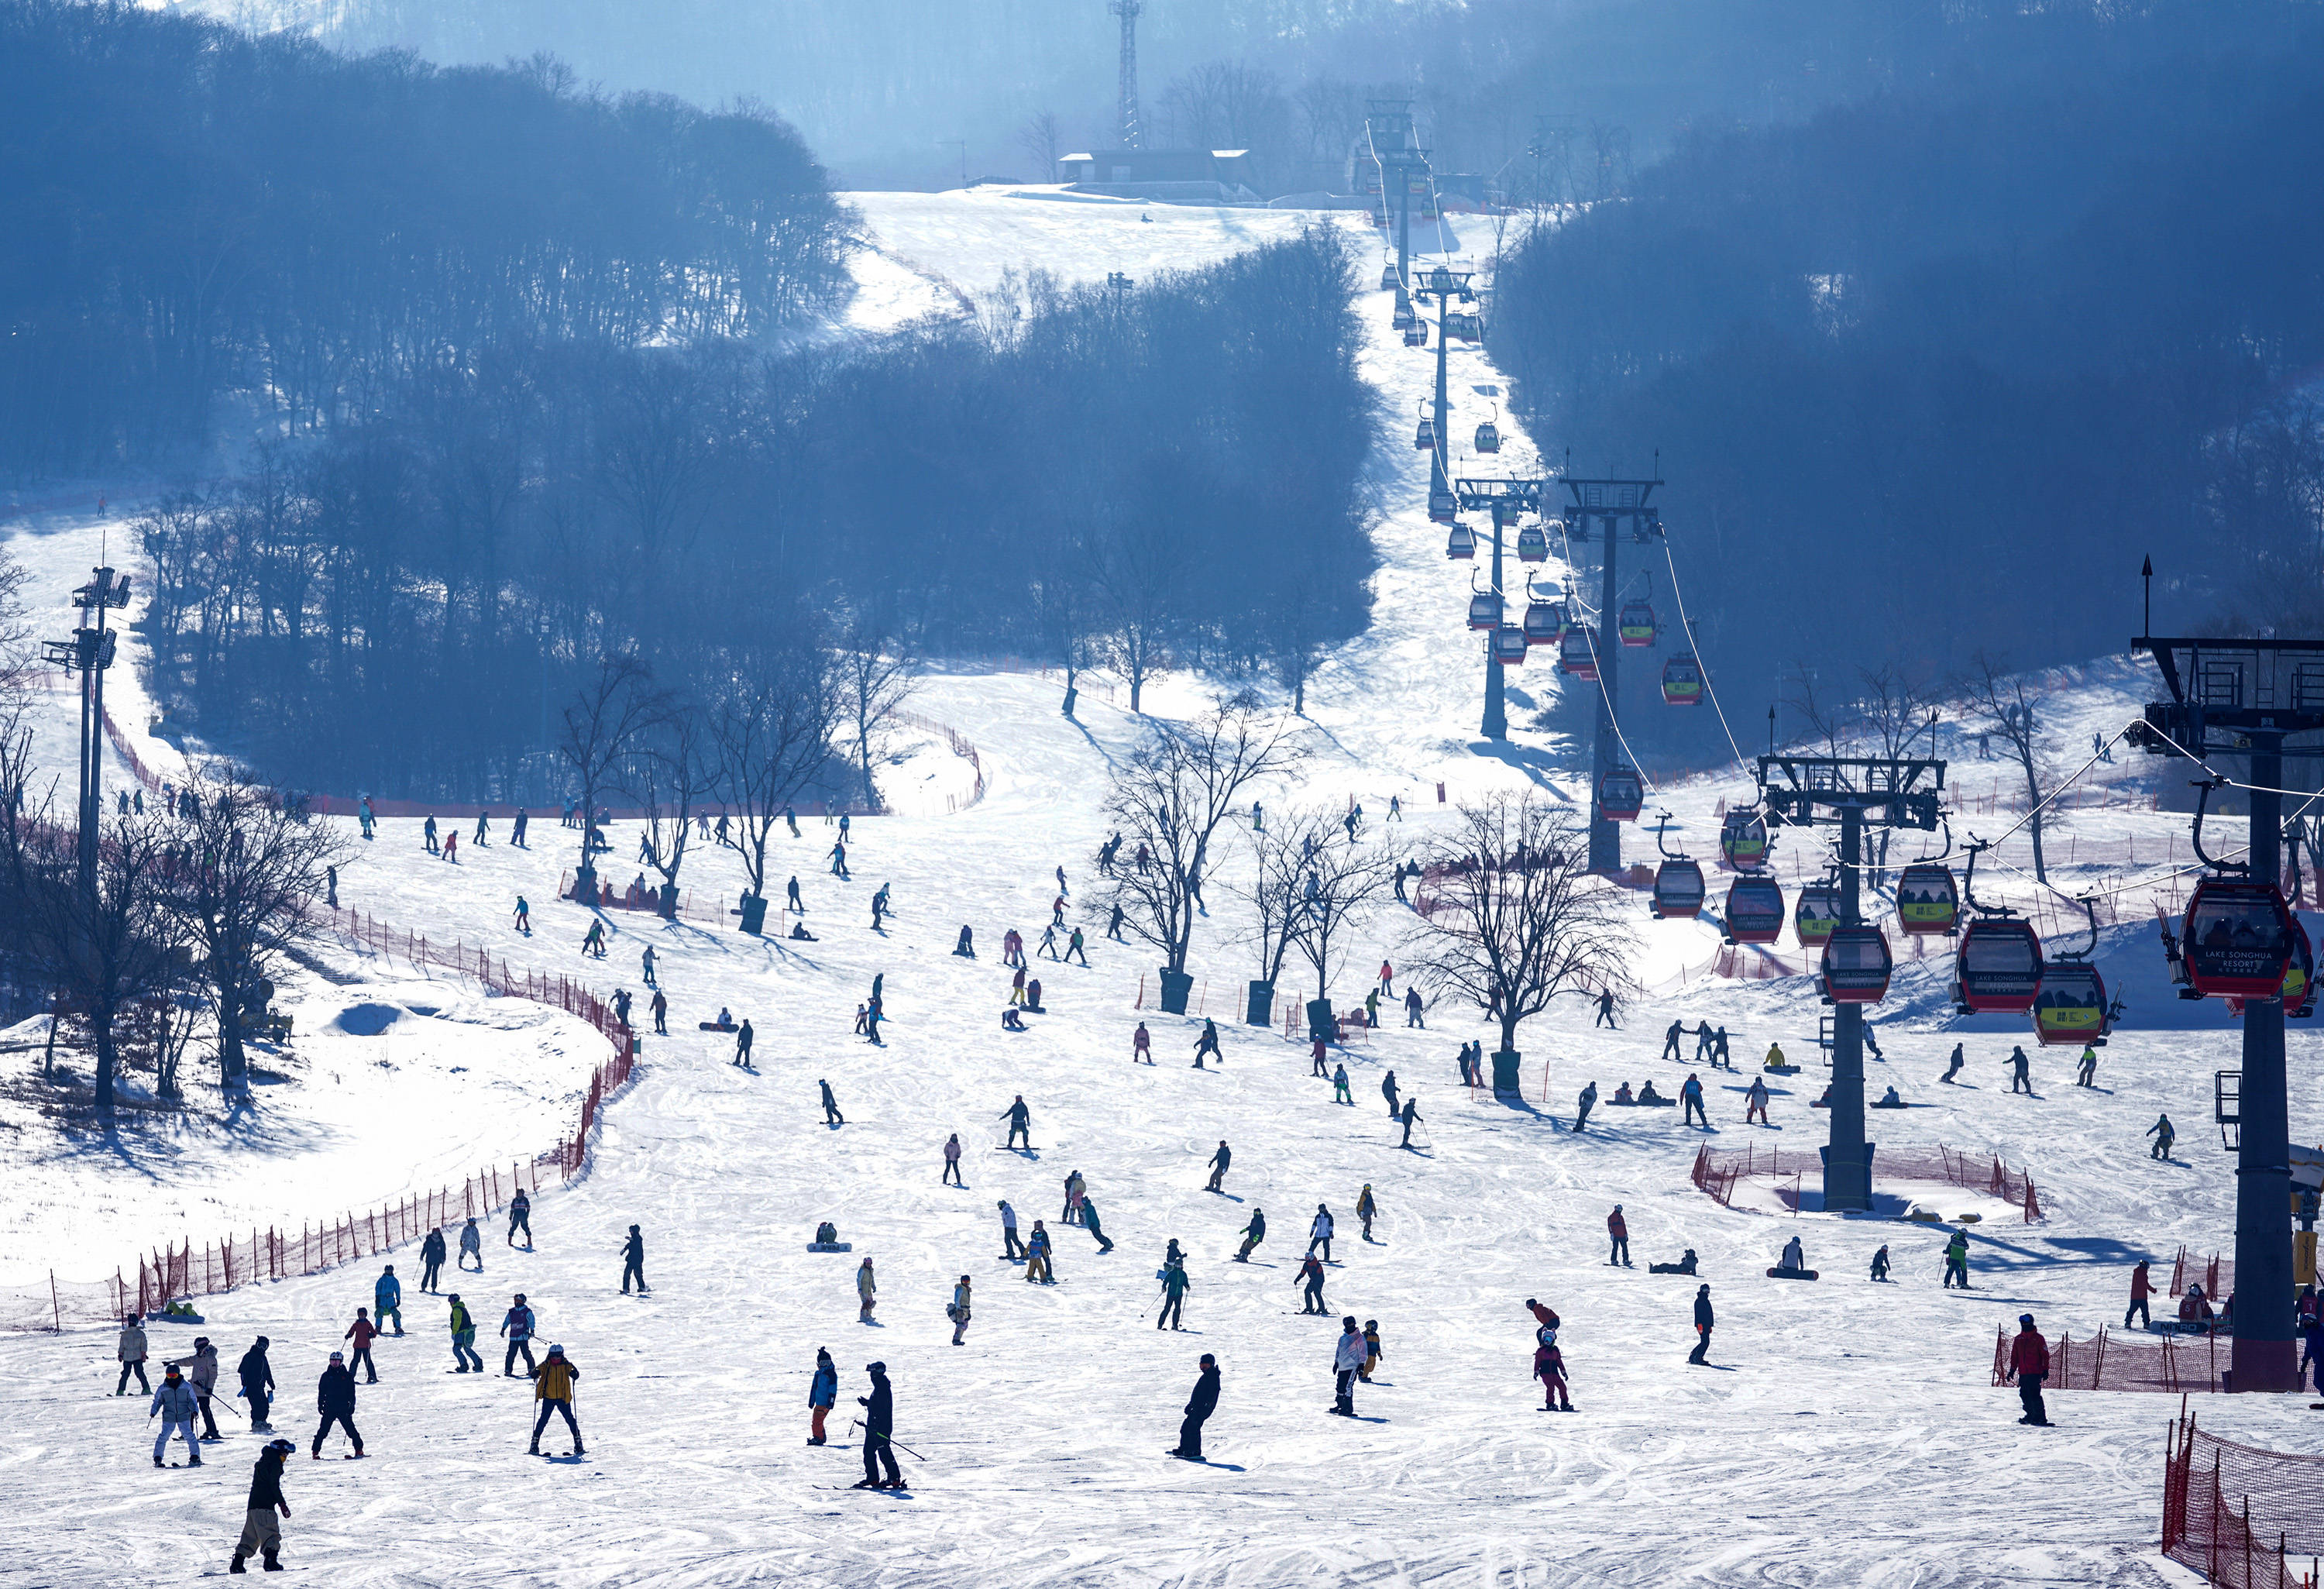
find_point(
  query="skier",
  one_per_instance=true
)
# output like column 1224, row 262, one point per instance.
column 2086, row 1070
column 1319, row 1232
column 2141, row 1288
column 592, row 942
column 1076, row 1186
column 472, row 1245
column 1113, row 925
column 1880, row 1263
column 1048, row 941
column 831, row 1115
column 798, row 906
column 952, row 1162
column 1411, row 1117
column 1141, row 1045
column 516, row 829
column 1339, row 1093
column 553, row 1391
column 1956, row 1260
column 2162, row 1131
column 517, row 1324
column 956, row 1311
column 822, row 1391
column 262, row 1535
column 1090, row 1224
column 1311, row 1276
column 1252, row 1234
column 871, row 1020
column 1208, row 1043
column 1057, row 913
column 1412, row 1008
column 839, row 861
column 1347, row 1357
column 1691, row 1095
column 1371, row 1010
column 129, row 1350
column 1953, row 1067
column 878, row 1430
column 520, row 1218
column 633, row 1262
column 335, row 1400
column 331, row 887
column 1388, row 1091
column 1703, row 1319
column 1702, row 1048
column 1721, row 1056
column 1011, row 1246
column 1589, row 1101
column 257, row 1376
column 647, row 961
column 662, row 1013
column 1618, row 1235
column 463, row 1324
column 744, row 1038
column 387, row 1297
column 523, row 917
column 361, row 1333
column 622, row 1005
column 1316, row 1053
column 1218, row 1165
column 1074, row 949
column 1670, row 1041
column 2029, row 1362
column 1199, row 1405
column 2020, row 1079
column 1038, row 1259
column 1754, row 1102
column 1605, row 1010
column 369, row 820
column 1174, row 1287
column 431, row 1260
column 1021, row 1124
column 177, row 1402
column 867, row 1292
column 201, row 1373
column 1366, row 1209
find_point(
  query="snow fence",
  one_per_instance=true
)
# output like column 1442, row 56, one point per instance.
column 1717, row 1171
column 2105, row 1361
column 2240, row 1516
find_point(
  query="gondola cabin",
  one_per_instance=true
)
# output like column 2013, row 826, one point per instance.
column 1682, row 681
column 1533, row 546
column 1927, row 901
column 1459, row 543
column 1443, row 505
column 1387, row 277
column 1424, row 434
column 1755, row 910
column 1621, row 793
column 1467, row 328
column 1856, row 965
column 1489, row 438
column 2071, row 1007
column 1743, row 840
column 2237, row 939
column 1998, row 966
column 1485, row 610
column 1510, row 646
column 1678, row 889
column 1577, row 651
column 1416, row 333
column 1544, row 621
column 1638, row 622
column 1817, row 913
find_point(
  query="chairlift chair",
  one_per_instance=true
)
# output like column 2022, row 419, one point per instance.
column 1577, row 651
column 1755, row 910
column 1857, row 965
column 1621, row 793
column 1533, row 546
column 1743, row 840
column 1510, row 646
column 1817, row 911
column 1682, row 681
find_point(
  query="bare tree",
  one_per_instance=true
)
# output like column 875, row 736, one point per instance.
column 1519, row 918
column 1999, row 702
column 102, row 953
column 678, row 773
column 874, row 676
column 1138, row 572
column 772, row 726
column 602, row 726
column 1040, row 138
column 1168, row 801
column 1894, row 709
column 250, row 865
column 1278, row 856
column 1341, row 883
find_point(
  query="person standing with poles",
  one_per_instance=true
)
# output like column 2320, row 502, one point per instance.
column 517, row 1325
column 177, row 1403
column 257, row 1376
column 463, row 1338
column 878, row 1431
column 1203, row 1402
column 552, row 1389
column 203, row 1376
column 335, row 1400
column 472, row 1245
column 1311, row 1276
column 1411, row 1118
column 431, row 1260
column 1175, row 1284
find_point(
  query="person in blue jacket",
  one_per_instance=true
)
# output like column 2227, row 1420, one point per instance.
column 821, row 1393
column 387, row 1297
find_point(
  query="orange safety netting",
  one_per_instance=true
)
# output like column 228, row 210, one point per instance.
column 2240, row 1516
column 1717, row 1171
column 2182, row 1363
column 2217, row 1275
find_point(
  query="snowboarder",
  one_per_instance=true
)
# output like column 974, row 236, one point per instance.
column 958, row 1310
column 744, row 1038
column 129, row 1350
column 1252, row 1234
column 516, row 1325
column 1880, row 1263
column 463, row 1324
column 1011, row 1246
column 2086, row 1069
column 1366, row 1209
column 1371, row 1010
column 335, row 1400
column 2029, row 1362
column 839, row 861
column 1037, row 1264
column 483, row 827
column 1794, row 1261
column 361, row 1333
column 1703, row 1319
column 952, row 1162
column 516, row 829
column 867, row 1292
column 257, row 1376
column 1200, row 1405
column 1174, row 1287
column 1208, row 1043
column 1076, row 1186
column 1218, row 1165
column 2162, row 1131
column 1412, row 1008
column 2020, row 1078
column 1589, row 1101
column 1411, row 1117
column 1347, row 1357
column 878, row 1431
column 797, row 905
column 428, row 834
column 592, row 942
column 1754, row 1102
column 966, row 948
column 822, row 1391
column 520, row 1218
column 1953, row 1066
column 1691, row 1095
column 1048, row 941
column 1373, row 1354
column 1316, row 1053
column 1340, row 1093
column 387, row 1297
column 552, row 1389
column 1141, row 1045
column 452, row 848
column 523, row 917
column 1319, row 1232
column 1388, row 1091
column 262, row 1535
column 431, row 1260
column 1090, row 1224
column 1670, row 1041
column 633, row 1262
column 1617, row 1236
column 1549, row 1368
column 1075, row 950
column 1311, row 1276
column 1021, row 1124
column 472, row 1244
column 1956, row 1260
column 177, row 1402
column 2141, row 1288
column 1113, row 925
column 831, row 1115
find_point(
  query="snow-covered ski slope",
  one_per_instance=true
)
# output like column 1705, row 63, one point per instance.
column 1845, row 1434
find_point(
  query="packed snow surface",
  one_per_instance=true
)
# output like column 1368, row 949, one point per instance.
column 1844, row 1432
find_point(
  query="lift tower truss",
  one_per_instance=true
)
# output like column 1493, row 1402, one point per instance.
column 1600, row 513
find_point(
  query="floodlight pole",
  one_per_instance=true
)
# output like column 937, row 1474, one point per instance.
column 1847, row 1156
column 2263, row 1354
column 1497, row 717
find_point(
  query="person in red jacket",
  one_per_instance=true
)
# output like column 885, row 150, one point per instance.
column 1618, row 1234
column 2141, row 1288
column 2029, row 1363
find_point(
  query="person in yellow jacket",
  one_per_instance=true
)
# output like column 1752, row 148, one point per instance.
column 1776, row 1060
column 552, row 1388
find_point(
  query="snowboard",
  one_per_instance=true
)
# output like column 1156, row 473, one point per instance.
column 1780, row 1273
column 713, row 1026
column 831, row 1246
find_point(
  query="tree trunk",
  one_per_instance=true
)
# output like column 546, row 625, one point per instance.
column 100, row 1027
column 1509, row 1030
column 234, row 1065
column 2034, row 825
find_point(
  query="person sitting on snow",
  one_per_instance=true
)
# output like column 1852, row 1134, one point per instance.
column 1622, row 1094
column 1648, row 1095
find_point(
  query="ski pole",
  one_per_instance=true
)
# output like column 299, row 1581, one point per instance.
column 899, row 1445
